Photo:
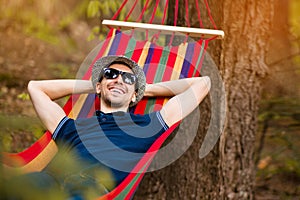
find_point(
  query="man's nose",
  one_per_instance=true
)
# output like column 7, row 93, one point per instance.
column 119, row 79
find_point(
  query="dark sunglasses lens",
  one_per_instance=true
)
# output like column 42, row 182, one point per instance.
column 111, row 73
column 128, row 78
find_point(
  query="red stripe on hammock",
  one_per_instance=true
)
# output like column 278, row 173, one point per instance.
column 170, row 63
column 152, row 70
column 139, row 46
column 123, row 44
column 153, row 63
column 24, row 157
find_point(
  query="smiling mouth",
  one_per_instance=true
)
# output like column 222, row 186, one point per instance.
column 117, row 90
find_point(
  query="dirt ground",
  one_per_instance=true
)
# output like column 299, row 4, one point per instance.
column 23, row 58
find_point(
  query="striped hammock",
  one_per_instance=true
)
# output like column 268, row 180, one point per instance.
column 160, row 63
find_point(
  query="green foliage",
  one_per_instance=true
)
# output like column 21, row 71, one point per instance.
column 294, row 21
column 94, row 32
column 281, row 153
column 24, row 96
column 6, row 142
column 78, row 12
column 31, row 23
column 39, row 28
column 93, row 9
column 104, row 9
column 294, row 18
column 69, row 173
column 60, row 70
column 101, row 9
column 7, row 78
column 12, row 125
column 36, row 20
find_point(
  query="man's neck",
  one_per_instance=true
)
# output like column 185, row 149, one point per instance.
column 108, row 109
column 112, row 110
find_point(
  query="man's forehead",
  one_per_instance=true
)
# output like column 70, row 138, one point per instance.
column 121, row 66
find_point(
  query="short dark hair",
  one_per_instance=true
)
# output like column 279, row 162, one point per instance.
column 118, row 62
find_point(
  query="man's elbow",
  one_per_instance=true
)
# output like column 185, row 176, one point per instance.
column 207, row 83
column 31, row 84
column 203, row 88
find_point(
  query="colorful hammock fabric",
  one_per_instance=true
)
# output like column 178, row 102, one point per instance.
column 160, row 64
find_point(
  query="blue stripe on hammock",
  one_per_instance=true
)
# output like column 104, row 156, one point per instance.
column 148, row 59
column 87, row 106
column 187, row 61
column 115, row 44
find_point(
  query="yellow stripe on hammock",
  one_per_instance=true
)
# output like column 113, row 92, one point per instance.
column 179, row 61
column 144, row 54
column 178, row 64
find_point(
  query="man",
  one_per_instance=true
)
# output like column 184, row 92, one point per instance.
column 114, row 139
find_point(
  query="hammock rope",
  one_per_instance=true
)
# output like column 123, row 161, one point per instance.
column 176, row 9
column 187, row 20
column 199, row 14
column 119, row 10
column 210, row 15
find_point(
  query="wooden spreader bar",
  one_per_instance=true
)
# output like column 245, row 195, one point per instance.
column 193, row 32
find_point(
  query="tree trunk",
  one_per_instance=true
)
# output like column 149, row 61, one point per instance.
column 247, row 25
column 228, row 171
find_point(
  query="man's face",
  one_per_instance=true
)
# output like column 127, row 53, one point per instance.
column 114, row 92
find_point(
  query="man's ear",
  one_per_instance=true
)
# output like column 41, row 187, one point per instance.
column 98, row 88
column 133, row 99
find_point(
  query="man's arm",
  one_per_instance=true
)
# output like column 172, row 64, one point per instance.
column 187, row 95
column 44, row 93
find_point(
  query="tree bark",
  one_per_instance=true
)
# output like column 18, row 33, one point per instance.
column 228, row 171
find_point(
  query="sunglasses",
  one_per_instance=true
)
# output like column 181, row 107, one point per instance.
column 110, row 73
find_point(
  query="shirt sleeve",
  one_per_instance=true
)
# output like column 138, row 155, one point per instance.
column 59, row 127
column 162, row 121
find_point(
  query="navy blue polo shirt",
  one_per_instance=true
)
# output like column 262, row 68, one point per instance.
column 115, row 140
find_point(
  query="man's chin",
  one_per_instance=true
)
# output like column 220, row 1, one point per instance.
column 114, row 104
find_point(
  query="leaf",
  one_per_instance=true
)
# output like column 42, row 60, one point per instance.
column 263, row 163
column 6, row 141
column 24, row 96
column 96, row 29
column 93, row 8
column 91, row 37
